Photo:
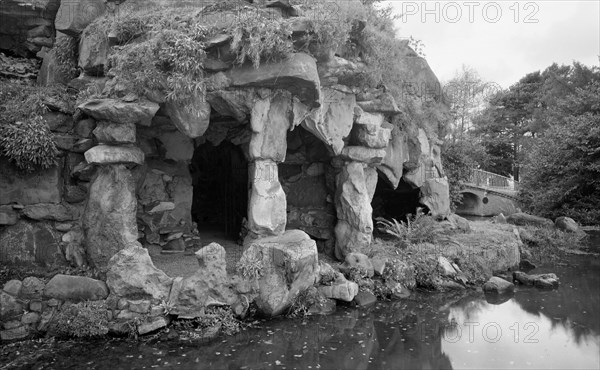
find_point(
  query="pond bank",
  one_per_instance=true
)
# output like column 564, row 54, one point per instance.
column 555, row 329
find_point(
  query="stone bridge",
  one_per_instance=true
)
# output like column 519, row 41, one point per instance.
column 488, row 194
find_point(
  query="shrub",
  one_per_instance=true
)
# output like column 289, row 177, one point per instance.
column 458, row 158
column 213, row 317
column 258, row 38
column 548, row 244
column 419, row 228
column 85, row 319
column 304, row 301
column 24, row 135
column 28, row 144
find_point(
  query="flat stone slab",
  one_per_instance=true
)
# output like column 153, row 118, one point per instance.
column 140, row 112
column 108, row 154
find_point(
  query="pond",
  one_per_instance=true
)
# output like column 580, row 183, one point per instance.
column 533, row 329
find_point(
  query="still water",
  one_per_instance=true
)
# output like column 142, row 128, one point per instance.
column 533, row 329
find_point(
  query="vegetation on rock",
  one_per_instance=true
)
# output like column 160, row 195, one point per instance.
column 25, row 137
column 419, row 228
column 85, row 319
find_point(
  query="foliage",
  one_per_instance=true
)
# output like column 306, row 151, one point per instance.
column 458, row 158
column 419, row 228
column 563, row 167
column 304, row 301
column 85, row 319
column 548, row 244
column 250, row 268
column 518, row 116
column 24, row 135
column 65, row 51
column 213, row 317
column 258, row 38
column 466, row 96
column 168, row 60
column 28, row 144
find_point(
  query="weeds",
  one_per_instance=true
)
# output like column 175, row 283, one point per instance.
column 419, row 228
column 85, row 319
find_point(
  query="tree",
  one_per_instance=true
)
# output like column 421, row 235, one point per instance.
column 563, row 167
column 515, row 117
column 465, row 93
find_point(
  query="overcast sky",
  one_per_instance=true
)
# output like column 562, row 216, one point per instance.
column 502, row 40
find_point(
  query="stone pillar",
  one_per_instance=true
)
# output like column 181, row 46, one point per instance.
column 109, row 220
column 353, row 205
column 267, row 204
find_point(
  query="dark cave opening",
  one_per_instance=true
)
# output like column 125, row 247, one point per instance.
column 395, row 203
column 220, row 180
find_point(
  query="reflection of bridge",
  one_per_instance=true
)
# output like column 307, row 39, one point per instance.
column 488, row 194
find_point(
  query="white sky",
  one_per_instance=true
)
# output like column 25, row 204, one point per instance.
column 506, row 50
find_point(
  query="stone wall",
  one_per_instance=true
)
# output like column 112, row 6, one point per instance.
column 314, row 147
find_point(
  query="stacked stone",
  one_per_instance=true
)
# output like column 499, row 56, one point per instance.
column 37, row 208
column 109, row 221
column 267, row 204
column 27, row 307
column 165, row 191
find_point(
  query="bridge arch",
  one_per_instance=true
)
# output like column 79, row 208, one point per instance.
column 470, row 201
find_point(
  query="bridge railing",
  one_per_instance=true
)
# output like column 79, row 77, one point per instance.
column 487, row 179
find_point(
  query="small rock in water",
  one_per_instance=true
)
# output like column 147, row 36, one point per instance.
column 544, row 281
column 497, row 285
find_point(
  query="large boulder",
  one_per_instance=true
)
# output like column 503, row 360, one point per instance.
column 369, row 130
column 27, row 26
column 109, row 154
column 140, row 112
column 435, row 194
column 396, row 153
column 41, row 186
column 297, row 73
column 267, row 204
column 332, row 123
column 109, row 220
column 418, row 150
column 566, row 224
column 524, row 219
column 191, row 119
column 28, row 242
column 209, row 286
column 289, row 265
column 93, row 52
column 132, row 275
column 74, row 16
column 75, row 288
column 270, row 122
column 353, row 206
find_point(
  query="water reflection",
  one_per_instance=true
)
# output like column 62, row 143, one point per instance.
column 532, row 329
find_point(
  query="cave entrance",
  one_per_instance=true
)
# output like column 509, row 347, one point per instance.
column 395, row 203
column 220, row 180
